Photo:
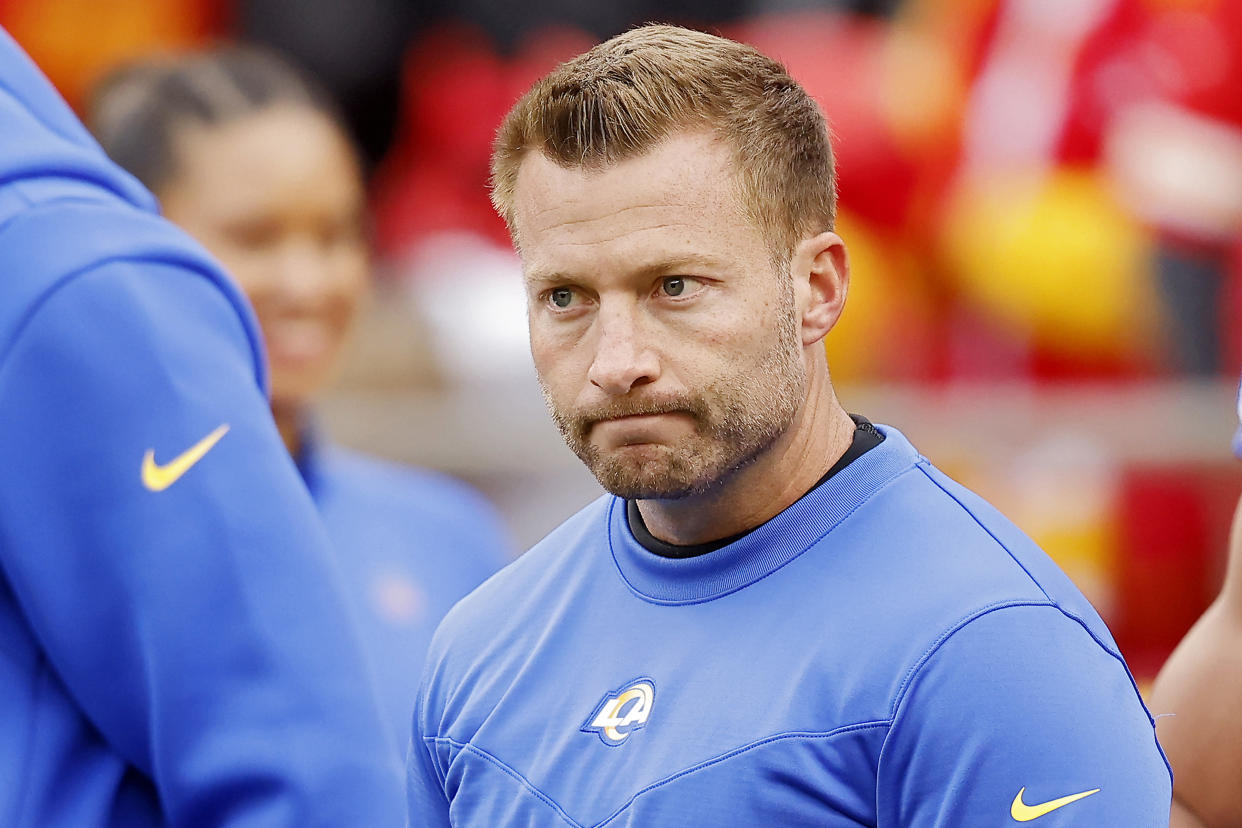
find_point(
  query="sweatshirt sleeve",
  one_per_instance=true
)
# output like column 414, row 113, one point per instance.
column 171, row 564
column 1022, row 715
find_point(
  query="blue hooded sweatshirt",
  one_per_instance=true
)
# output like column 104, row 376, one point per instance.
column 175, row 646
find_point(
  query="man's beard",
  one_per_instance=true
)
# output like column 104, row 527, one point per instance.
column 737, row 418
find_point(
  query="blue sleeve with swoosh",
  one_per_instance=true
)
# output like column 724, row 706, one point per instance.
column 1022, row 715
column 174, row 572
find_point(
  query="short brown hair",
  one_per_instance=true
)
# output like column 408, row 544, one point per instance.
column 626, row 95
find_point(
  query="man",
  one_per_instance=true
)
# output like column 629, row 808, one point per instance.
column 781, row 615
column 1196, row 697
column 174, row 645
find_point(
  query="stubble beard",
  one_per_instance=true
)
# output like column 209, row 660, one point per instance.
column 736, row 419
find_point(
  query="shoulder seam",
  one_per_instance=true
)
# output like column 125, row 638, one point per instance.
column 911, row 675
column 975, row 615
column 944, row 636
column 1050, row 600
column 981, row 525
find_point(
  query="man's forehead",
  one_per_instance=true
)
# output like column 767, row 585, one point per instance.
column 686, row 177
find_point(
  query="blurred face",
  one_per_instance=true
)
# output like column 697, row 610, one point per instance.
column 666, row 342
column 277, row 197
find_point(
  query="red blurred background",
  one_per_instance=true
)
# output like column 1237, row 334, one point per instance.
column 1042, row 201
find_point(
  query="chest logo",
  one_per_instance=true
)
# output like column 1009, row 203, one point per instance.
column 622, row 712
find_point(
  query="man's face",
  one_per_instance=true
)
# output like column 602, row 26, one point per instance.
column 666, row 341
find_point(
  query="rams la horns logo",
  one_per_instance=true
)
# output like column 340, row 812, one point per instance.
column 622, row 712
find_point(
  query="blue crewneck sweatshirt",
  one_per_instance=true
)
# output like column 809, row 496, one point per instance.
column 888, row 651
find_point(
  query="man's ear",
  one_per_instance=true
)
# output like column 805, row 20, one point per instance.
column 821, row 272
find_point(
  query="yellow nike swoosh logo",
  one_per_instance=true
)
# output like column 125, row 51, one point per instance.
column 157, row 478
column 1022, row 812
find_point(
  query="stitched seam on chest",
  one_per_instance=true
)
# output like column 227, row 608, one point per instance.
column 739, row 751
column 507, row 769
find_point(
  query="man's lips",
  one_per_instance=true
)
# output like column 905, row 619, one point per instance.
column 635, row 429
column 636, row 417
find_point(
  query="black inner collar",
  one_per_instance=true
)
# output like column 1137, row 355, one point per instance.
column 866, row 437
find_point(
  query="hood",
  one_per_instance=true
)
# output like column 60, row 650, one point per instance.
column 41, row 138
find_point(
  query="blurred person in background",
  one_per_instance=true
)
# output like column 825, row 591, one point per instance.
column 249, row 157
column 1195, row 697
column 781, row 614
column 175, row 645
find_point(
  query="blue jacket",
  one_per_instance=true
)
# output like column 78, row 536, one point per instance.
column 175, row 645
column 888, row 651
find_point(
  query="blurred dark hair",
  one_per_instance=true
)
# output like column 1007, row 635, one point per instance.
column 136, row 110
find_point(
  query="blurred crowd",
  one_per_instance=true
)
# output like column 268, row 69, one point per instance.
column 1047, row 190
column 1035, row 191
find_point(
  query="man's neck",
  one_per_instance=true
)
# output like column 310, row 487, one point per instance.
column 755, row 494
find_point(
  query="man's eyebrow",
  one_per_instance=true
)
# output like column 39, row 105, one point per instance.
column 684, row 264
column 535, row 278
column 687, row 264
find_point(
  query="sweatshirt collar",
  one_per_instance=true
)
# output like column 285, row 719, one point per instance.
column 766, row 549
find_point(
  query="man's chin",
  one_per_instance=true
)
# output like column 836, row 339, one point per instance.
column 643, row 482
column 638, row 491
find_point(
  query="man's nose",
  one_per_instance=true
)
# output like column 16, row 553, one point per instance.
column 624, row 358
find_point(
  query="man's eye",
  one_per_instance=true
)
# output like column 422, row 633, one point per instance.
column 561, row 297
column 673, row 285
